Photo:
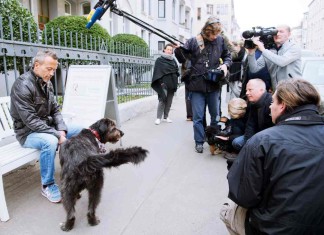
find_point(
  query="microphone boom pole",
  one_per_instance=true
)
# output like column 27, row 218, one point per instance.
column 102, row 6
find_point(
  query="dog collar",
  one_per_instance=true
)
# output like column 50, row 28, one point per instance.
column 95, row 133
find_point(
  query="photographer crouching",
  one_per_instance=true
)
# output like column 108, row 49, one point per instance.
column 282, row 57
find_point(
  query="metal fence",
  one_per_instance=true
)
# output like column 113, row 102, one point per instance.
column 132, row 69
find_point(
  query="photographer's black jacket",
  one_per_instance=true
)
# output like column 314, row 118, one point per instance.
column 33, row 109
column 278, row 175
column 258, row 116
column 210, row 56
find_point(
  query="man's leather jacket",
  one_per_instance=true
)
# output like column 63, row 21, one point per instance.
column 34, row 108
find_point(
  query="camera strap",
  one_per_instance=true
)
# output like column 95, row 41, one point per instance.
column 200, row 42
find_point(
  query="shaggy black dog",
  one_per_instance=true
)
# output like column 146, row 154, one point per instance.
column 82, row 161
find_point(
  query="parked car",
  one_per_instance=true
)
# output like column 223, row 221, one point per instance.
column 313, row 71
column 308, row 53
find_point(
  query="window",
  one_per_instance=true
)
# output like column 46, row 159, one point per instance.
column 43, row 13
column 209, row 9
column 149, row 39
column 161, row 45
column 85, row 8
column 67, row 6
column 222, row 9
column 198, row 13
column 143, row 5
column 143, row 34
column 149, row 7
column 161, row 9
column 173, row 9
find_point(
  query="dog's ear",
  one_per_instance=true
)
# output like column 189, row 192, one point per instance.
column 103, row 126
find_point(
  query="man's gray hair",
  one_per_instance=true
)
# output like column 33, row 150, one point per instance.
column 41, row 55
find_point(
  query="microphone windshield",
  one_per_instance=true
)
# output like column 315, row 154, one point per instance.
column 248, row 34
column 96, row 15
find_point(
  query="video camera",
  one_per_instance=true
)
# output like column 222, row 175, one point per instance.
column 266, row 36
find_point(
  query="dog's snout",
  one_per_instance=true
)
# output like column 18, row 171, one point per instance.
column 121, row 133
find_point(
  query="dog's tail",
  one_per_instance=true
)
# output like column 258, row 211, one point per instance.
column 115, row 158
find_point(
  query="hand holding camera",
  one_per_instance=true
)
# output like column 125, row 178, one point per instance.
column 258, row 43
column 223, row 67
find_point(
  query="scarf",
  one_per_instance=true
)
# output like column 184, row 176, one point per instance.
column 167, row 56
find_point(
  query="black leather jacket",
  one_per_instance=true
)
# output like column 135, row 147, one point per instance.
column 33, row 108
column 258, row 116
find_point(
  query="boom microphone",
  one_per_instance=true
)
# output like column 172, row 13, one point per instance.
column 100, row 8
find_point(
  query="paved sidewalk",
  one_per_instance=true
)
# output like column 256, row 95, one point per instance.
column 174, row 191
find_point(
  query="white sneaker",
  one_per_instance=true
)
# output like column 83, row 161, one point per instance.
column 167, row 120
column 157, row 121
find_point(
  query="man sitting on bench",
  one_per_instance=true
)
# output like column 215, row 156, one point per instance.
column 38, row 122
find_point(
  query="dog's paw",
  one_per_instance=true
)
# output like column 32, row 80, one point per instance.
column 212, row 149
column 68, row 225
column 139, row 154
column 93, row 220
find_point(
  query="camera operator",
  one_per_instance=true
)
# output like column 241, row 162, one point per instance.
column 283, row 61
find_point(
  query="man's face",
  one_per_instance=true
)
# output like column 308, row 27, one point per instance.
column 276, row 108
column 46, row 69
column 282, row 35
column 211, row 37
column 253, row 92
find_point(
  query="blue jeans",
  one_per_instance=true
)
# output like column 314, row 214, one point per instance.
column 47, row 144
column 198, row 102
column 238, row 142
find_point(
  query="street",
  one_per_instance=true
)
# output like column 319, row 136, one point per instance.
column 174, row 191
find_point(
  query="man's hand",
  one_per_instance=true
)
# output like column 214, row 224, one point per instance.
column 224, row 68
column 256, row 41
column 176, row 45
column 222, row 137
column 62, row 137
column 63, row 133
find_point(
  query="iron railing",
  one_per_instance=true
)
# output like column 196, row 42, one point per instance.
column 131, row 65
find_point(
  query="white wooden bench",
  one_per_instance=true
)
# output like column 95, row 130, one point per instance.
column 12, row 155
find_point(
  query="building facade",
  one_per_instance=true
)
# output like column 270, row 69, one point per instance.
column 315, row 27
column 180, row 19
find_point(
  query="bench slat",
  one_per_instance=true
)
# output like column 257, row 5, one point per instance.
column 6, row 123
column 12, row 155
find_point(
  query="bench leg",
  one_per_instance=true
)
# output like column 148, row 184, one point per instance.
column 4, row 215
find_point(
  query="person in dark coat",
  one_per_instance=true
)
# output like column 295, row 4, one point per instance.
column 278, row 174
column 207, row 52
column 258, row 113
column 165, row 82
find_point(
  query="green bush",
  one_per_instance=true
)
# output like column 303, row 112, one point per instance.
column 71, row 31
column 22, row 21
column 19, row 15
column 129, row 44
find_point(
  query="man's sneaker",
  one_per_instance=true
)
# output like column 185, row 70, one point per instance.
column 167, row 120
column 199, row 148
column 230, row 156
column 52, row 193
column 157, row 121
